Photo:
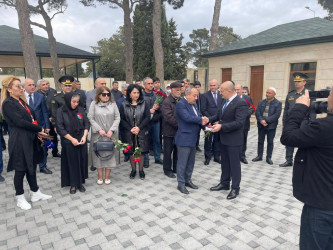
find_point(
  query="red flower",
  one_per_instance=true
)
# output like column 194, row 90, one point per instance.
column 128, row 147
column 137, row 159
column 125, row 150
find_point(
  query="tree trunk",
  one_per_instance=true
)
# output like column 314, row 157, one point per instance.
column 128, row 32
column 53, row 49
column 27, row 39
column 215, row 25
column 158, row 49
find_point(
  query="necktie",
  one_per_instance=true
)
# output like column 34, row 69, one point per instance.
column 225, row 106
column 195, row 110
column 215, row 97
column 31, row 103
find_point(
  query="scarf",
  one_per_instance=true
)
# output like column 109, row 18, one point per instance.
column 74, row 116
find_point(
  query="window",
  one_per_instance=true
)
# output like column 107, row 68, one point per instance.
column 306, row 68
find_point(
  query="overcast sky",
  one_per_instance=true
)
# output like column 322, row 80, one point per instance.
column 82, row 27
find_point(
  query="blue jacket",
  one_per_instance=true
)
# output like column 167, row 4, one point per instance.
column 189, row 124
column 40, row 109
column 274, row 113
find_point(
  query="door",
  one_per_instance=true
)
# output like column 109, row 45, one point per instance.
column 257, row 83
column 226, row 74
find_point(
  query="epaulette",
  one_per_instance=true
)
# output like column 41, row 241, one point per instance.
column 291, row 91
column 55, row 94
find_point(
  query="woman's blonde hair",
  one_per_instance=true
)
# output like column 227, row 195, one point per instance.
column 100, row 91
column 7, row 83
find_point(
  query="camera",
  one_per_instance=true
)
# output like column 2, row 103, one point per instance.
column 318, row 107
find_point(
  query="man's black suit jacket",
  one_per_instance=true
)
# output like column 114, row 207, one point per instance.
column 208, row 105
column 250, row 111
column 232, row 121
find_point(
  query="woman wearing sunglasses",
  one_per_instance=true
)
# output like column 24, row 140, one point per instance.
column 104, row 119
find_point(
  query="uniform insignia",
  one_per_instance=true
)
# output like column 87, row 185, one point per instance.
column 55, row 94
column 291, row 98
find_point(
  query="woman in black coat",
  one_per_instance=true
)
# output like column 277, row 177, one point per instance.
column 135, row 117
column 24, row 147
column 72, row 126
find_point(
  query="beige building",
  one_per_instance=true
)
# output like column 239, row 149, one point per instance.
column 270, row 57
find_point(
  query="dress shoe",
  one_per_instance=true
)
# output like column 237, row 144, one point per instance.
column 159, row 161
column 198, row 149
column 92, row 168
column 244, row 161
column 286, row 164
column 72, row 190
column 46, row 171
column 191, row 185
column 82, row 189
column 142, row 175
column 220, row 187
column 258, row 158
column 56, row 155
column 206, row 162
column 170, row 175
column 183, row 190
column 217, row 161
column 146, row 164
column 132, row 174
column 233, row 194
column 269, row 161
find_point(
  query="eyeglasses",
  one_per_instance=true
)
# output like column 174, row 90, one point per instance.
column 106, row 94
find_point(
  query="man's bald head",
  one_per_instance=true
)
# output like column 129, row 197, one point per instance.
column 227, row 90
column 100, row 82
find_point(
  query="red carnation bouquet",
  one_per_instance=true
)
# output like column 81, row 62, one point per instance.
column 126, row 148
column 160, row 96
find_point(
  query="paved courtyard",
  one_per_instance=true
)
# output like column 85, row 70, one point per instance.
column 153, row 214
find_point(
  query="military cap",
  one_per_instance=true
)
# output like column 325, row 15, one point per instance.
column 300, row 77
column 177, row 84
column 66, row 80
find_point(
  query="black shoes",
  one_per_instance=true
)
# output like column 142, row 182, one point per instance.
column 82, row 189
column 2, row 179
column 146, row 164
column 286, row 164
column 198, row 149
column 269, row 161
column 92, row 168
column 72, row 190
column 191, row 185
column 183, row 190
column 233, row 194
column 142, row 175
column 170, row 175
column 244, row 161
column 258, row 158
column 217, row 161
column 220, row 187
column 132, row 174
column 159, row 161
column 46, row 171
column 206, row 162
column 57, row 155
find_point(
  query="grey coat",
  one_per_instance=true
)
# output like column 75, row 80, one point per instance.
column 103, row 116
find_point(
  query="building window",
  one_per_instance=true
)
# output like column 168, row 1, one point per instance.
column 306, row 68
column 195, row 77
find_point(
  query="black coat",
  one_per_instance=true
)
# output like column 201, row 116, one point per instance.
column 170, row 124
column 250, row 111
column 142, row 115
column 274, row 113
column 208, row 105
column 313, row 169
column 23, row 145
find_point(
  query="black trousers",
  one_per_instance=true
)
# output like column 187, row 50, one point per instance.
column 169, row 163
column 55, row 140
column 18, row 181
column 230, row 165
column 212, row 146
column 289, row 153
column 262, row 132
column 245, row 133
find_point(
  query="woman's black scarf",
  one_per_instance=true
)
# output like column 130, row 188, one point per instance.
column 75, row 126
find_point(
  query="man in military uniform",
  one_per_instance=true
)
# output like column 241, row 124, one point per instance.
column 299, row 81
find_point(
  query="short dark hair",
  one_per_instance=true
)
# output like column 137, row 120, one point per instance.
column 196, row 83
column 129, row 91
column 114, row 82
column 156, row 79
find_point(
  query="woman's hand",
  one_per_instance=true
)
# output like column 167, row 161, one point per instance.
column 75, row 142
column 102, row 133
column 135, row 130
column 83, row 140
column 109, row 134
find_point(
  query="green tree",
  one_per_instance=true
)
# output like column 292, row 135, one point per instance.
column 327, row 5
column 226, row 35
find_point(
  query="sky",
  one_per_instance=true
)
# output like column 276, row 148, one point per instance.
column 82, row 27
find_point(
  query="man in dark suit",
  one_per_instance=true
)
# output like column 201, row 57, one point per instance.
column 197, row 85
column 229, row 122
column 38, row 103
column 44, row 88
column 250, row 111
column 189, row 124
column 210, row 103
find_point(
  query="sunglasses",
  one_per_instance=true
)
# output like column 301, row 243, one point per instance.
column 106, row 94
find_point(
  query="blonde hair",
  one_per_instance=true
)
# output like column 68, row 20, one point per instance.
column 7, row 83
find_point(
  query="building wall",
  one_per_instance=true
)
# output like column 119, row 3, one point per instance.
column 276, row 64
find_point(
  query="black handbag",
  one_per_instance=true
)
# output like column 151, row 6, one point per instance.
column 104, row 146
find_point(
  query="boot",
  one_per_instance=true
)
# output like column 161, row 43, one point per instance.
column 22, row 202
column 37, row 196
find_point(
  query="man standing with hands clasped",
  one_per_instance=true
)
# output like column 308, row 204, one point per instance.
column 312, row 172
column 189, row 124
column 229, row 122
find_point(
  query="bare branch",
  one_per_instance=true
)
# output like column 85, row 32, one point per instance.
column 59, row 12
column 9, row 3
column 38, row 25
